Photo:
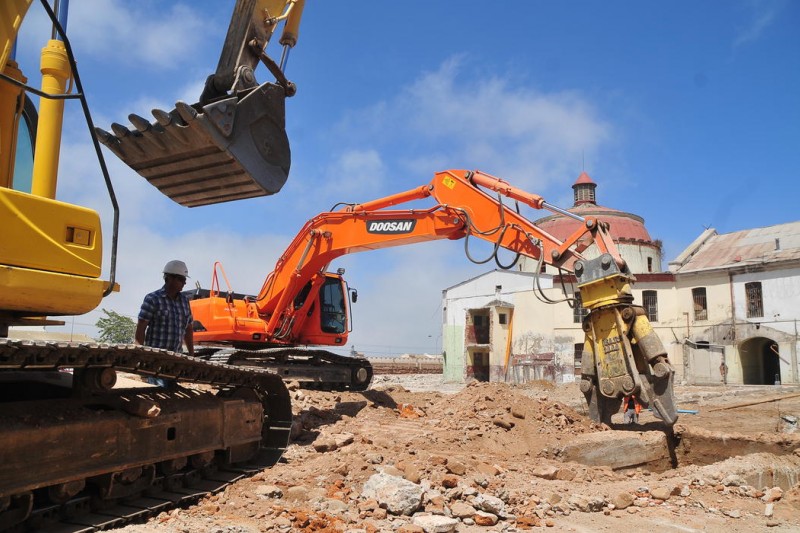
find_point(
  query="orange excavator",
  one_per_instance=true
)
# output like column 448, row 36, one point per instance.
column 301, row 303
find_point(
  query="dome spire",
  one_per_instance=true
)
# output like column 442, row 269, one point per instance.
column 584, row 189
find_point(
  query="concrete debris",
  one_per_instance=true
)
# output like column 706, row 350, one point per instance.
column 497, row 458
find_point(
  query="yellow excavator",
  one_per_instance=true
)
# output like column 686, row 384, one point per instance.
column 73, row 446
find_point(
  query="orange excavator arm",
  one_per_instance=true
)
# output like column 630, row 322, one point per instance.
column 463, row 209
column 627, row 356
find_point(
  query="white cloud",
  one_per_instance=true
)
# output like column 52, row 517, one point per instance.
column 354, row 176
column 762, row 15
column 129, row 32
column 489, row 123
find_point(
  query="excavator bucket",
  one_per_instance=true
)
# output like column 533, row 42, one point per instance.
column 229, row 149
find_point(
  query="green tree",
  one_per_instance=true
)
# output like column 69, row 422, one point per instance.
column 116, row 328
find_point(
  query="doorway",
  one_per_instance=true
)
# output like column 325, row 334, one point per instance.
column 761, row 362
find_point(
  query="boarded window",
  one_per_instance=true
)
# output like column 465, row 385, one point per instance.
column 578, row 311
column 700, row 303
column 650, row 304
column 755, row 301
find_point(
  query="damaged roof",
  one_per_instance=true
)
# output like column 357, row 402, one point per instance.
column 751, row 247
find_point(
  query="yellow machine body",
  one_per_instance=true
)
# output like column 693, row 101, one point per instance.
column 50, row 257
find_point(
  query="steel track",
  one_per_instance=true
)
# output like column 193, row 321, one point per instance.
column 284, row 361
column 88, row 514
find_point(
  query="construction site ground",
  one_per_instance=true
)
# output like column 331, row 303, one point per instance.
column 414, row 454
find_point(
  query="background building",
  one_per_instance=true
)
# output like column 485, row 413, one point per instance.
column 727, row 309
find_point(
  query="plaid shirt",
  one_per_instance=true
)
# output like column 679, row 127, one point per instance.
column 167, row 320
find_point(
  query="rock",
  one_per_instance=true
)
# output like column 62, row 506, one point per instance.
column 579, row 502
column 641, row 502
column 623, row 500
column 769, row 510
column 545, row 472
column 270, row 491
column 449, row 482
column 397, row 495
column 565, row 474
column 504, row 423
column 488, row 470
column 436, row 524
column 412, row 474
column 462, row 510
column 368, row 505
column 772, row 495
column 392, row 471
column 734, row 513
column 455, row 467
column 485, row 519
column 297, row 493
column 661, row 493
column 527, row 522
column 490, row 504
column 335, row 506
column 410, row 528
column 324, row 445
column 553, row 498
column 586, row 504
column 343, row 439
column 517, row 413
column 374, row 458
column 733, row 481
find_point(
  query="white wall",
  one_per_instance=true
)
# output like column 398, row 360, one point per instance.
column 780, row 290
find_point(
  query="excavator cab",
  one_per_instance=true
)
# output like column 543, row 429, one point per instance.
column 320, row 315
column 232, row 144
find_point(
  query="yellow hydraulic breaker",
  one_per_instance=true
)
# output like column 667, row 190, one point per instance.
column 622, row 353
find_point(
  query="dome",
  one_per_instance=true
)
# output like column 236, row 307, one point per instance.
column 640, row 251
column 624, row 227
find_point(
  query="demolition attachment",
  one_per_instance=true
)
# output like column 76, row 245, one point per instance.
column 627, row 357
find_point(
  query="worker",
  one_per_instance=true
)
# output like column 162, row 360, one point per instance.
column 165, row 319
column 631, row 408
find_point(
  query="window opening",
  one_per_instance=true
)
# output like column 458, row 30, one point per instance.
column 700, row 303
column 578, row 355
column 755, row 301
column 579, row 312
column 650, row 304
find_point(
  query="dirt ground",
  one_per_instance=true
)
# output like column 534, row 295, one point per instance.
column 413, row 454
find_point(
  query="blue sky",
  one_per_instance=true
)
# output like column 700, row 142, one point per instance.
column 685, row 113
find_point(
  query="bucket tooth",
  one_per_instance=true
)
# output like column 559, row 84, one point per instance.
column 140, row 123
column 105, row 137
column 120, row 131
column 162, row 117
column 229, row 149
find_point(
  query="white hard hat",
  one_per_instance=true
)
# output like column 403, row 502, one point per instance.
column 176, row 267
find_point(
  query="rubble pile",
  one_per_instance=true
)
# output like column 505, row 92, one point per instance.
column 390, row 459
